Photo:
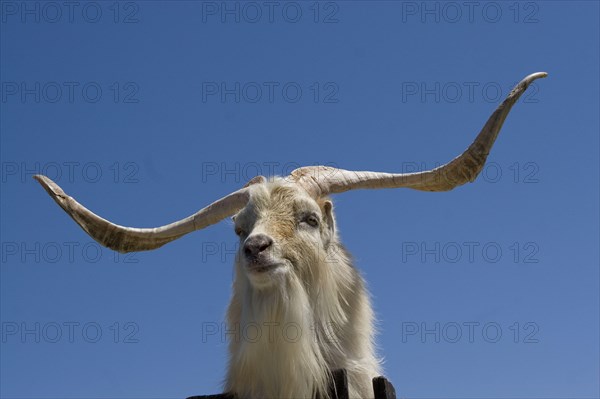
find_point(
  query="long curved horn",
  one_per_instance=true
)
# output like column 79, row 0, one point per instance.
column 322, row 180
column 130, row 239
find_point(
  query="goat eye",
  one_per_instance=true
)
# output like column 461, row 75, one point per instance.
column 312, row 221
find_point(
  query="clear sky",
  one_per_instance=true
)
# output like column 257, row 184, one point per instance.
column 146, row 111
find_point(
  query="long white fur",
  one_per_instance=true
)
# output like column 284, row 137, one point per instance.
column 310, row 316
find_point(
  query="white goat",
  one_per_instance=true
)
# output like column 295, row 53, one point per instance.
column 294, row 281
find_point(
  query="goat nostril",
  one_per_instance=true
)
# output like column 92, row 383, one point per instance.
column 265, row 244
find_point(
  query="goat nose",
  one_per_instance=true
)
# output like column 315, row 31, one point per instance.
column 256, row 244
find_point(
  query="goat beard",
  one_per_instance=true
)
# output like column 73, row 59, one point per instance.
column 275, row 334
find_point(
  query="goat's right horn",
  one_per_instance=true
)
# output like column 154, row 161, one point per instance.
column 130, row 239
column 322, row 180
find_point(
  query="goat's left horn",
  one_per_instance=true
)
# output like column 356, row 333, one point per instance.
column 130, row 239
column 322, row 180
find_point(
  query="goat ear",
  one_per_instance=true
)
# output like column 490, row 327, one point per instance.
column 255, row 180
column 328, row 214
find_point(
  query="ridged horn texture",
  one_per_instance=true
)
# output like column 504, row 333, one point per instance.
column 322, row 180
column 317, row 180
column 131, row 239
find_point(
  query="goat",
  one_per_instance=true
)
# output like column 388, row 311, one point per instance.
column 292, row 270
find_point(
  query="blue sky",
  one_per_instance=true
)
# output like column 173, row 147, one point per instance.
column 146, row 111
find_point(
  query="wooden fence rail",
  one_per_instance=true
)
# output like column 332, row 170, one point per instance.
column 338, row 389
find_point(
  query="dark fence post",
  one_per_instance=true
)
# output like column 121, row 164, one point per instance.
column 338, row 388
column 383, row 388
column 219, row 396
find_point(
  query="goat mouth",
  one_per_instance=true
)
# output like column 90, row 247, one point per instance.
column 261, row 267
